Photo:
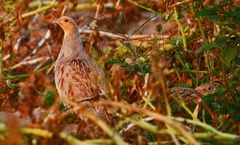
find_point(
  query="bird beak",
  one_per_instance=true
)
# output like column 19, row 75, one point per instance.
column 55, row 22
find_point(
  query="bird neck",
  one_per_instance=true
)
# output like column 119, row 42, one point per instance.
column 72, row 46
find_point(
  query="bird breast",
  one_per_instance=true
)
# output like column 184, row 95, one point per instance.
column 74, row 80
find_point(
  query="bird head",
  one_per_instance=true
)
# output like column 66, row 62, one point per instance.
column 67, row 24
column 206, row 88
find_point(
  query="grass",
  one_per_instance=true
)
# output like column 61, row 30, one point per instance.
column 203, row 49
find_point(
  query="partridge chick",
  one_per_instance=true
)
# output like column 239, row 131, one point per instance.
column 78, row 77
column 193, row 94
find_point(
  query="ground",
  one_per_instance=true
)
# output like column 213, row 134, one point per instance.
column 147, row 49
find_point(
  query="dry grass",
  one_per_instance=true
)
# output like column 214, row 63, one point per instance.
column 197, row 43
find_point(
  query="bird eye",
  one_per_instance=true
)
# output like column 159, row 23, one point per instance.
column 65, row 20
column 210, row 88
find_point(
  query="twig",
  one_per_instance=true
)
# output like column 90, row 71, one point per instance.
column 41, row 64
column 6, row 57
column 32, row 61
column 94, row 26
column 46, row 36
column 115, row 36
column 16, row 46
column 51, row 68
column 41, row 42
column 146, row 80
column 143, row 24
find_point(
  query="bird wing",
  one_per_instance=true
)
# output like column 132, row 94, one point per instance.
column 187, row 94
column 75, row 81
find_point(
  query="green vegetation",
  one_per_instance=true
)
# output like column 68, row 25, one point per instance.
column 194, row 42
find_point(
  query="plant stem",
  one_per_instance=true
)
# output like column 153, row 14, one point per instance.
column 37, row 132
column 74, row 141
column 37, row 3
column 1, row 62
column 118, row 140
column 181, row 29
column 209, row 128
column 201, row 28
column 146, row 8
column 42, row 9
column 198, row 21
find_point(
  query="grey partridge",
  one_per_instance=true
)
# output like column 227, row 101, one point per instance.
column 78, row 77
column 193, row 94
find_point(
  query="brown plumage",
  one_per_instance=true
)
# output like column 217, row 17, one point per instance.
column 78, row 77
column 193, row 94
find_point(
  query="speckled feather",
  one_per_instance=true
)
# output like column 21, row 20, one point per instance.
column 78, row 77
column 193, row 94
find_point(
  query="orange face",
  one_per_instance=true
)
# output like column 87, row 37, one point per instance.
column 206, row 89
column 67, row 24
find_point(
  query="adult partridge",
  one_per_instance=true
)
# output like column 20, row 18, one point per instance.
column 78, row 77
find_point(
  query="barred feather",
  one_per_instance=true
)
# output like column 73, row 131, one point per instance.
column 78, row 77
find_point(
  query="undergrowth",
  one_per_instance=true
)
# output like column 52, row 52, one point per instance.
column 196, row 42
